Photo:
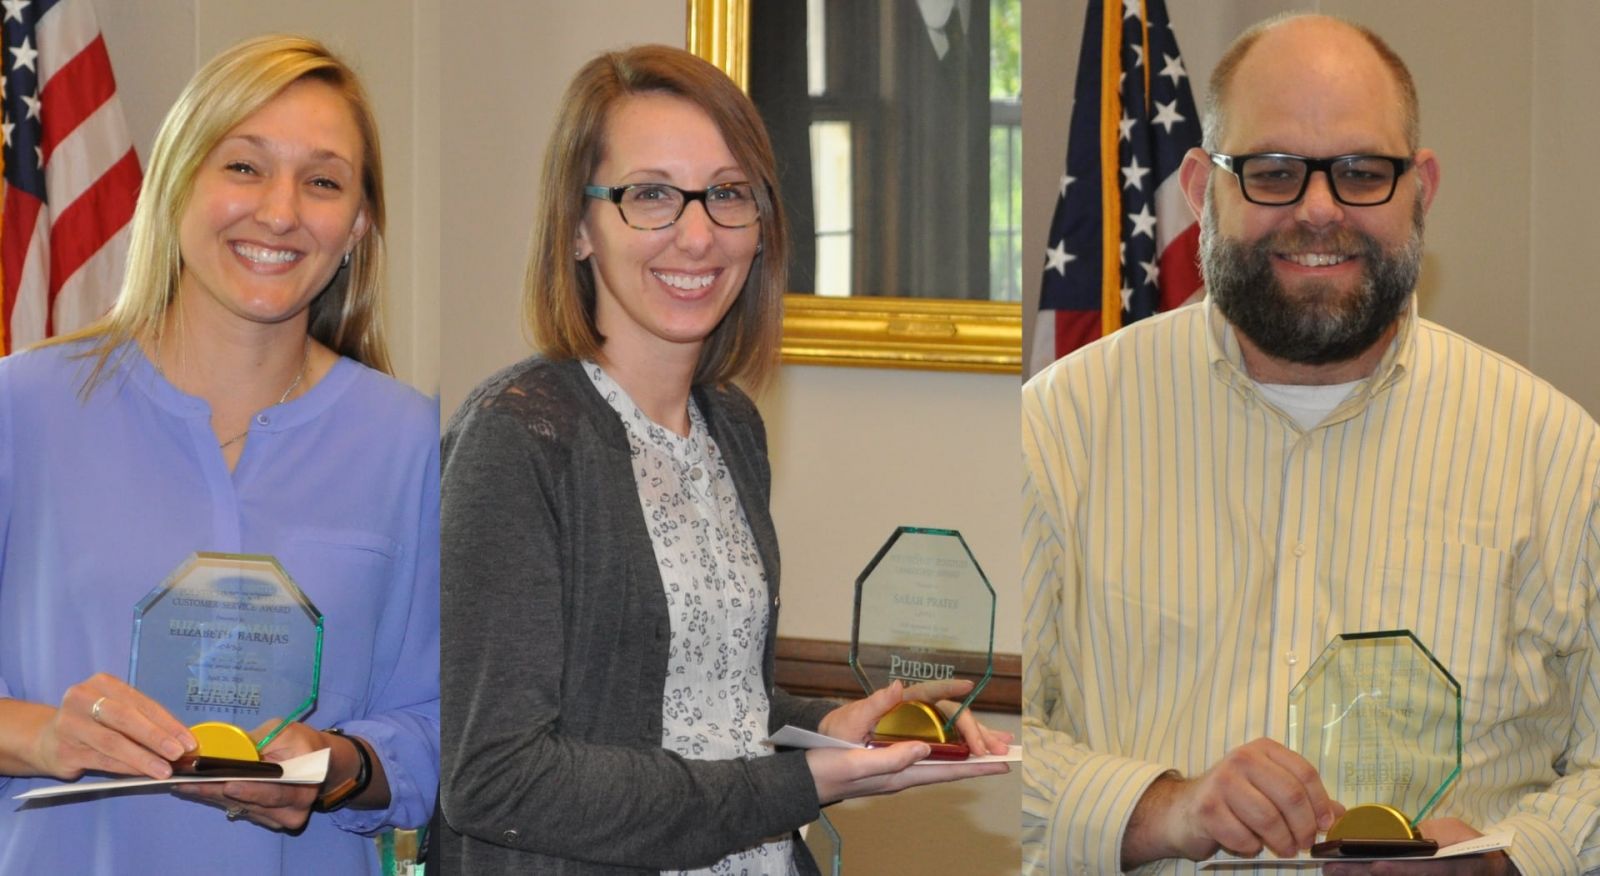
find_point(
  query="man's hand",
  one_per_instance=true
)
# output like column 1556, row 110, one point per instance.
column 1260, row 795
column 1446, row 832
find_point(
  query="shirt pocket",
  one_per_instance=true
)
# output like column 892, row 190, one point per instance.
column 1457, row 599
column 349, row 575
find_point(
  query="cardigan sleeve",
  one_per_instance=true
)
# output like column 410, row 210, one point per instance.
column 512, row 777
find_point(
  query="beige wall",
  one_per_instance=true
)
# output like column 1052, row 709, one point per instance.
column 156, row 45
column 1505, row 90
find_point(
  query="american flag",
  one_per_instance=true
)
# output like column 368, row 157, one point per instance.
column 71, row 175
column 1122, row 243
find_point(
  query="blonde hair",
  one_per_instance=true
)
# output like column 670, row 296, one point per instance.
column 232, row 86
column 559, row 291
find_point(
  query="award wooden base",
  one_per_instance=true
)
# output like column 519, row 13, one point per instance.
column 918, row 722
column 224, row 751
column 1373, row 830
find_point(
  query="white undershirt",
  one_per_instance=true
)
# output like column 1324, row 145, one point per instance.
column 1305, row 404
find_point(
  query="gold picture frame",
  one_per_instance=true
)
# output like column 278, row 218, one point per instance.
column 922, row 333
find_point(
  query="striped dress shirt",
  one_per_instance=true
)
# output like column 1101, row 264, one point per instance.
column 1188, row 551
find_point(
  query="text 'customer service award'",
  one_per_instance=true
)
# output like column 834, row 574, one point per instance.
column 228, row 642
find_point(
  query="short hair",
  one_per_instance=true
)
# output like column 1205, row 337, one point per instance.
column 1222, row 77
column 559, row 291
column 235, row 84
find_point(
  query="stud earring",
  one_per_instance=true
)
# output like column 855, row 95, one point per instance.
column 345, row 262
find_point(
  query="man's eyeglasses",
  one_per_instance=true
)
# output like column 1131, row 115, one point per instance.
column 653, row 206
column 1276, row 179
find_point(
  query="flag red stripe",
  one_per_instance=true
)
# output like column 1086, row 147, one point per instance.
column 74, row 93
column 1180, row 272
column 80, row 230
column 1074, row 328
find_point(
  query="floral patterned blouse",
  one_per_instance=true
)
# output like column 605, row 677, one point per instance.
column 715, row 703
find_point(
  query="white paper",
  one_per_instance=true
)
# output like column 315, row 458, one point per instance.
column 307, row 769
column 794, row 737
column 1490, row 843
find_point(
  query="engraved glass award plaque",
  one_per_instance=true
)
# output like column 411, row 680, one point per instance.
column 1380, row 719
column 228, row 642
column 924, row 612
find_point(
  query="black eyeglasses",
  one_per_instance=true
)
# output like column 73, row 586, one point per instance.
column 1277, row 179
column 653, row 206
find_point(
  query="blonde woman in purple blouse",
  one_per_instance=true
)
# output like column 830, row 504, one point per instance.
column 237, row 400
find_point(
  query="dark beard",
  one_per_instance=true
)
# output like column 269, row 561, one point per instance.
column 1321, row 324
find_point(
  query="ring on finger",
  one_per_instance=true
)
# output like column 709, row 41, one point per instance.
column 94, row 710
column 235, row 812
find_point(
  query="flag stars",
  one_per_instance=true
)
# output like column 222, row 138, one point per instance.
column 1138, row 55
column 1152, row 271
column 1133, row 175
column 1144, row 222
column 14, row 9
column 6, row 128
column 1130, row 8
column 24, row 56
column 1127, row 298
column 32, row 100
column 1066, row 180
column 1057, row 257
column 1167, row 115
column 1174, row 68
column 1126, row 127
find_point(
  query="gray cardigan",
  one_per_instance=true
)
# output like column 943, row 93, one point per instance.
column 555, row 635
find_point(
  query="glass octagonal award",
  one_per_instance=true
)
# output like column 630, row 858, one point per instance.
column 1380, row 719
column 924, row 612
column 228, row 642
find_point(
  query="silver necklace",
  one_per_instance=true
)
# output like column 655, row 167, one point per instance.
column 299, row 376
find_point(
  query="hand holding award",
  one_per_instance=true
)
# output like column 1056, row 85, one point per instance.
column 228, row 640
column 924, row 617
column 1380, row 719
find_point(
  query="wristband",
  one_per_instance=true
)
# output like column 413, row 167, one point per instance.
column 338, row 797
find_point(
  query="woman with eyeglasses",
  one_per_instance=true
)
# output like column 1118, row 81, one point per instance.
column 236, row 400
column 609, row 566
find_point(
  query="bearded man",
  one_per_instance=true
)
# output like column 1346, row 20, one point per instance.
column 1216, row 493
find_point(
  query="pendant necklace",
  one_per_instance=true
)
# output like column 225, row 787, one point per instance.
column 300, row 375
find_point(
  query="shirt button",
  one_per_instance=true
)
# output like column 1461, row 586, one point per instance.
column 695, row 473
column 262, row 419
column 1291, row 658
column 510, row 837
column 1300, row 549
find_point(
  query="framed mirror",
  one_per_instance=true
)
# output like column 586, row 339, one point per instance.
column 889, row 270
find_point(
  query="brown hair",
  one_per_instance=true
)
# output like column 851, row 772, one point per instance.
column 1222, row 76
column 227, row 90
column 559, row 291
